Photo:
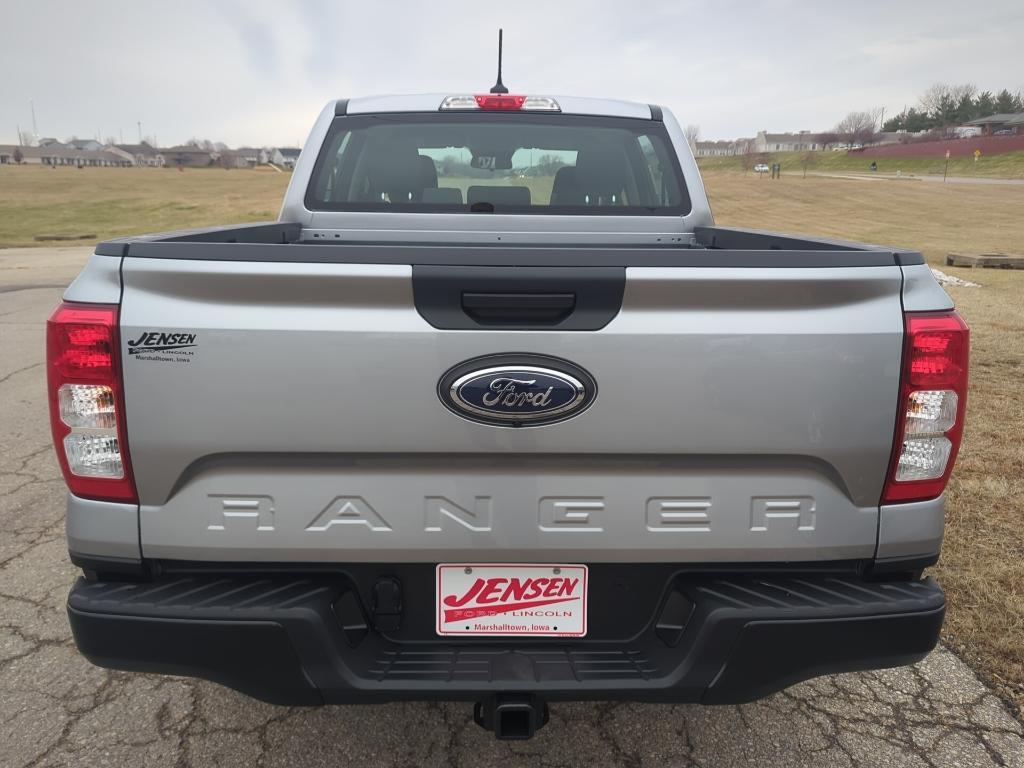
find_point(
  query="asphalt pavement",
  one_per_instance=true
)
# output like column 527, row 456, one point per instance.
column 58, row 710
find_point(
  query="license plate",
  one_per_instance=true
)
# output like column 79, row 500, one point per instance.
column 525, row 600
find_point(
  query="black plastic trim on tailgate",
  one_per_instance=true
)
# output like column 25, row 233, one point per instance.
column 458, row 297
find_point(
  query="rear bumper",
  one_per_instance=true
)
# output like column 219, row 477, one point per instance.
column 295, row 640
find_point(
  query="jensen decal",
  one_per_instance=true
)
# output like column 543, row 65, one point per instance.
column 517, row 390
column 162, row 346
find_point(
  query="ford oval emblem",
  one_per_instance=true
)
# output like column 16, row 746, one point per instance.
column 517, row 390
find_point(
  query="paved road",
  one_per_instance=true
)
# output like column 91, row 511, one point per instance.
column 922, row 177
column 56, row 709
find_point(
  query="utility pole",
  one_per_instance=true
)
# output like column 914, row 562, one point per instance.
column 35, row 130
column 139, row 123
column 21, row 141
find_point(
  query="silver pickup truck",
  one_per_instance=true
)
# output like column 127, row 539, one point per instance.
column 494, row 412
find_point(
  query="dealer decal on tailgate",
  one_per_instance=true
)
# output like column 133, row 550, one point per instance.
column 529, row 600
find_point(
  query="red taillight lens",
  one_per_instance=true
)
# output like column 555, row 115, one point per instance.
column 86, row 401
column 933, row 399
column 504, row 101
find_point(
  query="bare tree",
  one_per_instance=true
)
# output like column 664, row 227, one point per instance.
column 17, row 155
column 692, row 133
column 934, row 95
column 808, row 160
column 748, row 156
column 937, row 98
column 859, row 127
column 828, row 139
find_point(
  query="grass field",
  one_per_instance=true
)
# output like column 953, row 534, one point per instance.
column 1009, row 165
column 111, row 202
column 982, row 565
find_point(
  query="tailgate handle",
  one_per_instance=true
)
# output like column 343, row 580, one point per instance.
column 518, row 308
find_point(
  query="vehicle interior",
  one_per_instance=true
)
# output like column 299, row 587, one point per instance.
column 461, row 164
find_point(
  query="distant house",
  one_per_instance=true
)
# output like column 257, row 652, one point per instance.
column 57, row 154
column 715, row 148
column 286, row 157
column 189, row 156
column 724, row 148
column 999, row 124
column 143, row 154
column 803, row 141
column 230, row 158
column 251, row 156
column 90, row 144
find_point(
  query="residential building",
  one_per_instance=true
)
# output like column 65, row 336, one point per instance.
column 285, row 157
column 254, row 155
column 1000, row 124
column 143, row 154
column 189, row 156
column 715, row 148
column 90, row 144
column 803, row 141
column 56, row 154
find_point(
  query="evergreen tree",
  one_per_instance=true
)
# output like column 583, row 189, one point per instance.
column 1007, row 103
column 985, row 104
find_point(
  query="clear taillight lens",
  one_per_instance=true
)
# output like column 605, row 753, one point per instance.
column 86, row 403
column 94, row 455
column 931, row 411
column 933, row 396
column 923, row 458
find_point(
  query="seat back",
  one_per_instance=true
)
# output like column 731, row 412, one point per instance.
column 442, row 195
column 395, row 174
column 498, row 195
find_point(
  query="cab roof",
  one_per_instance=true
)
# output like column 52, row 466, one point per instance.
column 431, row 102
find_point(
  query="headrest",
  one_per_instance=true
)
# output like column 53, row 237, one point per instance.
column 428, row 172
column 397, row 171
column 564, row 189
column 601, row 176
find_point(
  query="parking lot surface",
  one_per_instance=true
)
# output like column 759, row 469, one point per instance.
column 57, row 710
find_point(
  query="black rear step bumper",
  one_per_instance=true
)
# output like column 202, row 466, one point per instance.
column 309, row 640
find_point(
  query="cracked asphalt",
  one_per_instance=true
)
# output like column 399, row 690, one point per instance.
column 58, row 710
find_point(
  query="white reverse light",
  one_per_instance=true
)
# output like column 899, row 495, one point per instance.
column 87, row 405
column 94, row 455
column 931, row 411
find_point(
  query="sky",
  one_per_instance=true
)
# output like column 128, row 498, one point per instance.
column 255, row 72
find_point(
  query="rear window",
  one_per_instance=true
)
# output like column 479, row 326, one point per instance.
column 498, row 163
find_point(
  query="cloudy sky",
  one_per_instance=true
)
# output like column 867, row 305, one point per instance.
column 257, row 72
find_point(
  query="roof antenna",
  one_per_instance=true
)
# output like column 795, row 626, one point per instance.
column 499, row 87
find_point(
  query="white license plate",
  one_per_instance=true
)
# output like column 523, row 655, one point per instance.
column 525, row 600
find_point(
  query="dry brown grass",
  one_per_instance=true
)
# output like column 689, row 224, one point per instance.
column 982, row 565
column 112, row 202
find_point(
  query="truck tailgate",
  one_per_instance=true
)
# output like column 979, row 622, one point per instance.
column 289, row 411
